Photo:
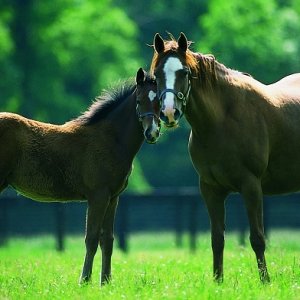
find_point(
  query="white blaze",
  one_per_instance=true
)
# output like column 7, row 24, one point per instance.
column 172, row 65
column 151, row 95
column 154, row 129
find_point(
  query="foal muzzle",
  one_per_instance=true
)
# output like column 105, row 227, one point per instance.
column 149, row 137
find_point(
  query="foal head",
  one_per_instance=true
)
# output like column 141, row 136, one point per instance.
column 147, row 106
column 171, row 65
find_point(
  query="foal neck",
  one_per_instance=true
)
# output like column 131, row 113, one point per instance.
column 126, row 125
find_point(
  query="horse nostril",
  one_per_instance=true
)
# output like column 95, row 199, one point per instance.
column 177, row 114
column 163, row 117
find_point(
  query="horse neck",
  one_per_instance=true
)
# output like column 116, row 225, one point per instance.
column 209, row 100
column 204, row 109
column 126, row 125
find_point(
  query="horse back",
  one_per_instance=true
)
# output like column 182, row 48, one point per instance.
column 36, row 156
column 49, row 162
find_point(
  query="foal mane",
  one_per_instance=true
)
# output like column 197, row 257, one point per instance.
column 107, row 102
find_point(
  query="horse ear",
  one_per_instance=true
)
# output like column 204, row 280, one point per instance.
column 140, row 76
column 159, row 44
column 182, row 42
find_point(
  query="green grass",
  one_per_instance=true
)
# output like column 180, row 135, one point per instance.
column 153, row 269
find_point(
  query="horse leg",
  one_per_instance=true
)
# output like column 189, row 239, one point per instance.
column 97, row 206
column 107, row 239
column 253, row 197
column 214, row 198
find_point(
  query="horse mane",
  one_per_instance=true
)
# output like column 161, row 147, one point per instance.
column 203, row 66
column 107, row 102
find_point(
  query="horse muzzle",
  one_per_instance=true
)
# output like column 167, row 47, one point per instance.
column 170, row 119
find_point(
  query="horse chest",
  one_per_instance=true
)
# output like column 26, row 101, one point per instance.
column 220, row 162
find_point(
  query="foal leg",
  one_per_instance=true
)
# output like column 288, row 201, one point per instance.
column 253, row 197
column 95, row 213
column 107, row 239
column 214, row 198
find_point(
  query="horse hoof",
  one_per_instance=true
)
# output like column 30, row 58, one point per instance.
column 105, row 280
column 84, row 280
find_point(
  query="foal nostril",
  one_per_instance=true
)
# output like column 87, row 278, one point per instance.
column 148, row 134
column 150, row 138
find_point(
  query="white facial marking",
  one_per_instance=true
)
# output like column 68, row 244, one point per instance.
column 172, row 65
column 151, row 95
column 154, row 129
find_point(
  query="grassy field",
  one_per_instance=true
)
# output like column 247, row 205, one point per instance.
column 153, row 269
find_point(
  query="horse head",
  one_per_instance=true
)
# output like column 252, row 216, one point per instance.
column 172, row 73
column 147, row 106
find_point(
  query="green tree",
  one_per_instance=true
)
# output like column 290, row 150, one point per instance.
column 64, row 53
column 165, row 16
column 256, row 36
column 8, row 71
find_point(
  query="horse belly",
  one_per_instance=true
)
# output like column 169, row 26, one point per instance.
column 282, row 178
column 48, row 193
column 40, row 185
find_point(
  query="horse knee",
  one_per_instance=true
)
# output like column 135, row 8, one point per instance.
column 91, row 244
column 258, row 243
column 106, row 243
column 218, row 244
column 217, row 240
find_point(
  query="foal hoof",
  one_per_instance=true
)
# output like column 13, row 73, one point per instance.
column 105, row 280
column 218, row 278
column 84, row 280
column 265, row 279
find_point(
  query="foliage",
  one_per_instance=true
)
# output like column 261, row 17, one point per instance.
column 65, row 53
column 257, row 37
column 7, row 67
column 137, row 181
column 154, row 269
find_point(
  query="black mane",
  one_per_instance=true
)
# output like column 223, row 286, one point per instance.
column 106, row 102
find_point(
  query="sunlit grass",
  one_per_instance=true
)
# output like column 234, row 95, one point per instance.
column 153, row 269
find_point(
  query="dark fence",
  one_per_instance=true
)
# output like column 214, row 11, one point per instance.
column 165, row 209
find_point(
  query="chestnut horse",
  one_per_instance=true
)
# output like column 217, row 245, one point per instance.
column 245, row 135
column 89, row 158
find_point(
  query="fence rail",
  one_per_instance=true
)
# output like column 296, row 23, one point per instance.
column 169, row 209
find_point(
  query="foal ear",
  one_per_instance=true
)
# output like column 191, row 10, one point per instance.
column 182, row 42
column 140, row 76
column 158, row 43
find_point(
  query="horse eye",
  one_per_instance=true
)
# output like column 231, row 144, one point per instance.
column 186, row 71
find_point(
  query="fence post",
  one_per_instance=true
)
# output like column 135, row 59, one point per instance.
column 242, row 219
column 60, row 225
column 178, row 222
column 122, row 223
column 266, row 213
column 3, row 221
column 193, row 223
